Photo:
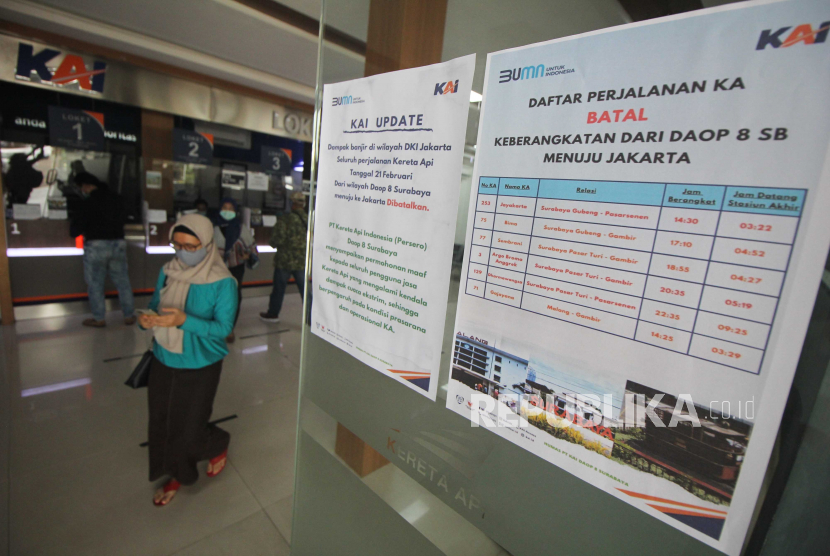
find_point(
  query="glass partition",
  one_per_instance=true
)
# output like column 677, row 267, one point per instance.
column 41, row 196
column 383, row 470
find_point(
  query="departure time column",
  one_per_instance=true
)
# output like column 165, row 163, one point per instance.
column 688, row 221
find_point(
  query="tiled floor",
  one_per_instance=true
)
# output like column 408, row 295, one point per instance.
column 73, row 478
column 72, row 466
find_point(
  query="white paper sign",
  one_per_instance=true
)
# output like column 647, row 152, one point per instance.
column 22, row 211
column 390, row 169
column 257, row 181
column 648, row 226
column 156, row 216
column 233, row 179
column 153, row 179
column 269, row 220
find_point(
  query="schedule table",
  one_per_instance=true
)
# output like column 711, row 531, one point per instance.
column 696, row 269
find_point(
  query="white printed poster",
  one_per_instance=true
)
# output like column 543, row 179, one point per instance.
column 391, row 150
column 257, row 181
column 647, row 232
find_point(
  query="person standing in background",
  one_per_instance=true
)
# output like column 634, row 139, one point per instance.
column 201, row 207
column 21, row 178
column 289, row 239
column 196, row 300
column 100, row 219
column 236, row 244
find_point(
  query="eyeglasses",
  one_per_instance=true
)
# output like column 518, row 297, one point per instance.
column 190, row 248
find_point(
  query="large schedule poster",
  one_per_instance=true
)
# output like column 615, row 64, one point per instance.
column 646, row 237
column 391, row 149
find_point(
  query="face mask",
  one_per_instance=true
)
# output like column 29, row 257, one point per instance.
column 191, row 259
column 84, row 194
column 201, row 212
column 228, row 214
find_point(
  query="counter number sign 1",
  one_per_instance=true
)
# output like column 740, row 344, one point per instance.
column 192, row 146
column 76, row 129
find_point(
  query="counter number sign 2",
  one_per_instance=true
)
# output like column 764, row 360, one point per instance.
column 192, row 146
column 76, row 129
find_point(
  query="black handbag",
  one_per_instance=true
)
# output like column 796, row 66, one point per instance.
column 141, row 373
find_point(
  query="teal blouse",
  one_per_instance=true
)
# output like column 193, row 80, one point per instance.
column 210, row 309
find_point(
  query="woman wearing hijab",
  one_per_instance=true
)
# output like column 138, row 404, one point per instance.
column 236, row 244
column 196, row 301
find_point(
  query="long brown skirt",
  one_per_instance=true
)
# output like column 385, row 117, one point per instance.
column 181, row 402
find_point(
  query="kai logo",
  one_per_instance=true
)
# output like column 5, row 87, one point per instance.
column 446, row 88
column 71, row 69
column 803, row 33
column 527, row 72
column 340, row 101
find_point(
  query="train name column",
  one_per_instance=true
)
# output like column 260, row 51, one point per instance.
column 512, row 226
column 488, row 189
column 748, row 265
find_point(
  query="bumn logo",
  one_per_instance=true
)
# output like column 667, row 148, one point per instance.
column 446, row 88
column 340, row 101
column 803, row 33
column 527, row 72
column 72, row 69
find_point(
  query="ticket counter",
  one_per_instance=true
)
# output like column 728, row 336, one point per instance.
column 49, row 135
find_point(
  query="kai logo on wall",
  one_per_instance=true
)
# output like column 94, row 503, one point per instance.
column 446, row 88
column 52, row 67
column 803, row 34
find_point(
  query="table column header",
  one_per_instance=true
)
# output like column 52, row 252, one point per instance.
column 630, row 193
column 694, row 196
column 488, row 186
column 765, row 200
column 519, row 187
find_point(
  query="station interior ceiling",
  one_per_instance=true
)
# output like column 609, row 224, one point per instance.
column 272, row 46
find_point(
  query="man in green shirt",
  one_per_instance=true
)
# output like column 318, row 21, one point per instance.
column 288, row 237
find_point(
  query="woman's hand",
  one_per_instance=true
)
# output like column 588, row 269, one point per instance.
column 170, row 318
column 145, row 320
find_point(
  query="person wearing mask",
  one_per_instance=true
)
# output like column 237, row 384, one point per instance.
column 100, row 219
column 195, row 301
column 289, row 239
column 236, row 244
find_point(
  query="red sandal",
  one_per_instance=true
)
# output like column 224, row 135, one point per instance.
column 217, row 459
column 171, row 486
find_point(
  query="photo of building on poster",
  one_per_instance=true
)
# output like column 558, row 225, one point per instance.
column 647, row 437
